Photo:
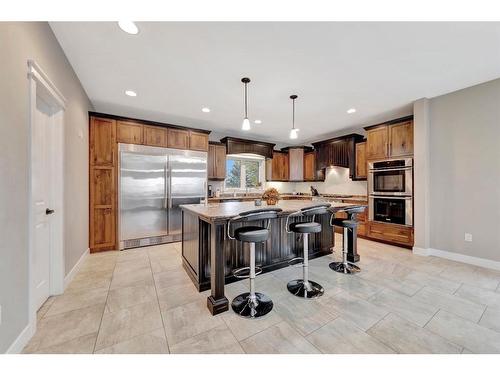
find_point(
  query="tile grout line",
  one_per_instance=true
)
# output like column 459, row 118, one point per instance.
column 104, row 309
column 158, row 302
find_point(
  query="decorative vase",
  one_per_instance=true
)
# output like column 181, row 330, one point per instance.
column 271, row 201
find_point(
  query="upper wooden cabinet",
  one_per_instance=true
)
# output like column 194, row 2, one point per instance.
column 198, row 141
column 216, row 162
column 155, row 136
column 309, row 166
column 178, row 138
column 377, row 143
column 296, row 163
column 361, row 172
column 392, row 139
column 129, row 132
column 401, row 139
column 102, row 141
column 277, row 168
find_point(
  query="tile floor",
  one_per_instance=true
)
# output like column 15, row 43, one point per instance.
column 142, row 301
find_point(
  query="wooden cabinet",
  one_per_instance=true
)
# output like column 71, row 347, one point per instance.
column 102, row 141
column 398, row 234
column 360, row 172
column 102, row 184
column 296, row 163
column 393, row 139
column 247, row 146
column 216, row 162
column 155, row 136
column 309, row 166
column 198, row 141
column 377, row 143
column 401, row 139
column 103, row 208
column 277, row 168
column 339, row 152
column 129, row 132
column 178, row 138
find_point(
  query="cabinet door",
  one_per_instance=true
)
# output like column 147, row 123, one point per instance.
column 198, row 141
column 277, row 167
column 309, row 167
column 361, row 160
column 178, row 138
column 377, row 143
column 220, row 162
column 102, row 141
column 211, row 162
column 102, row 208
column 129, row 132
column 401, row 139
column 155, row 136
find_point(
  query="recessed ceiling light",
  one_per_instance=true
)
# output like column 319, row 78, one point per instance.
column 128, row 27
column 205, row 109
column 130, row 93
column 258, row 121
column 351, row 110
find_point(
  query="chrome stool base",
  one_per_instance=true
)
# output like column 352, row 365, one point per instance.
column 299, row 289
column 243, row 306
column 346, row 268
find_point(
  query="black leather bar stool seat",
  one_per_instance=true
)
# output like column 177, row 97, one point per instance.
column 252, row 304
column 251, row 234
column 345, row 266
column 305, row 227
column 304, row 287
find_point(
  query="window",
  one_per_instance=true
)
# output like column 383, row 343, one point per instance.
column 244, row 172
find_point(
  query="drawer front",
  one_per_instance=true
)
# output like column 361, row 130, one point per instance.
column 391, row 233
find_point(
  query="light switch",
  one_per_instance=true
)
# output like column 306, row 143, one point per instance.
column 468, row 237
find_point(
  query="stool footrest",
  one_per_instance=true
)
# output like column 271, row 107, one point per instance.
column 244, row 272
column 296, row 262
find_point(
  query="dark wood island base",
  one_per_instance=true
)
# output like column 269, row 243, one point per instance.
column 205, row 228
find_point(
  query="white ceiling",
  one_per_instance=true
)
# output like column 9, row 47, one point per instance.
column 177, row 68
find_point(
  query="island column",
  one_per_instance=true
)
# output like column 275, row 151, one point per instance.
column 217, row 302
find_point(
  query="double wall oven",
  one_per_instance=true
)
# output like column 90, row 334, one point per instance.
column 390, row 188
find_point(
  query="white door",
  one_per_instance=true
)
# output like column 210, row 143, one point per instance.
column 41, row 173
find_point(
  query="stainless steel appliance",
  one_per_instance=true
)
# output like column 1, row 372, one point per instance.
column 391, row 177
column 153, row 182
column 387, row 209
column 390, row 188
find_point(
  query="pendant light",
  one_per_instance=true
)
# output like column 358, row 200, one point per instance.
column 246, row 123
column 293, row 131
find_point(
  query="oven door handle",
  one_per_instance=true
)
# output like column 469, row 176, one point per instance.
column 390, row 169
column 390, row 197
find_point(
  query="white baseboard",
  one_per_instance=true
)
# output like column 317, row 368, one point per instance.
column 69, row 277
column 481, row 262
column 21, row 340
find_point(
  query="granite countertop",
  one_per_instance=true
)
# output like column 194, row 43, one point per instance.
column 224, row 211
column 330, row 197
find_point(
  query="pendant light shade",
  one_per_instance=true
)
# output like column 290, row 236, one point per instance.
column 293, row 132
column 246, row 123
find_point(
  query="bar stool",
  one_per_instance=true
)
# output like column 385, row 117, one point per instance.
column 304, row 287
column 345, row 266
column 252, row 304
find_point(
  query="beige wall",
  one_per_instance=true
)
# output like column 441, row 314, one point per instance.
column 464, row 159
column 20, row 42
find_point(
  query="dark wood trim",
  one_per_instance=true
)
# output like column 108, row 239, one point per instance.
column 225, row 139
column 305, row 148
column 338, row 139
column 215, row 143
column 390, row 122
column 147, row 122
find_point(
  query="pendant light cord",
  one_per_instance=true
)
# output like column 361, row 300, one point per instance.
column 293, row 114
column 246, row 111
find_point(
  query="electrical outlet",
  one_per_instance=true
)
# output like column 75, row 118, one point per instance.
column 468, row 237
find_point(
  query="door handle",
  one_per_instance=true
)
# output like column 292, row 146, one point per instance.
column 48, row 211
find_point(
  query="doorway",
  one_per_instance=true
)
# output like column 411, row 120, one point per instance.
column 46, row 251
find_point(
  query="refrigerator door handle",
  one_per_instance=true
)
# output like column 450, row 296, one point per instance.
column 165, row 193
column 169, row 187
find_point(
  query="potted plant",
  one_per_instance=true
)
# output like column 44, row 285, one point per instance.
column 271, row 196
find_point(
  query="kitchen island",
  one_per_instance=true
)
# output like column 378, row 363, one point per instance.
column 210, row 257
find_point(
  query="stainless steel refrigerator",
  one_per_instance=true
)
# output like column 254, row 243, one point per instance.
column 153, row 182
